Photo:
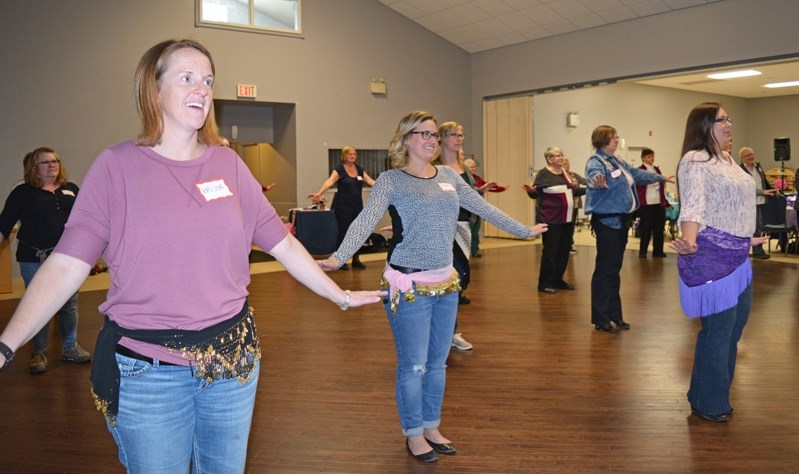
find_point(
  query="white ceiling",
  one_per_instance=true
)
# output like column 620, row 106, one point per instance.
column 480, row 25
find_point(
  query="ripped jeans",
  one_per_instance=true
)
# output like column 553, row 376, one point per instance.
column 422, row 332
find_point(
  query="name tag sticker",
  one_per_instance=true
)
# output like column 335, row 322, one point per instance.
column 446, row 187
column 615, row 173
column 67, row 192
column 214, row 189
column 360, row 178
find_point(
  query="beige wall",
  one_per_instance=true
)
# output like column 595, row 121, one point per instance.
column 717, row 33
column 68, row 68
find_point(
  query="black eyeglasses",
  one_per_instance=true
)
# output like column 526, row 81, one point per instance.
column 427, row 135
column 722, row 120
column 49, row 162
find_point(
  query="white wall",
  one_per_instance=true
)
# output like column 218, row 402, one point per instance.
column 717, row 33
column 634, row 110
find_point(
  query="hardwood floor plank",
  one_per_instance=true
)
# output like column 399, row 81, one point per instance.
column 541, row 391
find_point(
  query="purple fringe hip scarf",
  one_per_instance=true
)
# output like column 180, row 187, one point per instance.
column 712, row 279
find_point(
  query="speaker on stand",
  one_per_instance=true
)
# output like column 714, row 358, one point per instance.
column 782, row 153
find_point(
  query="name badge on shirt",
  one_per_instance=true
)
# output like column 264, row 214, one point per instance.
column 214, row 189
column 360, row 178
column 446, row 187
column 67, row 192
column 615, row 173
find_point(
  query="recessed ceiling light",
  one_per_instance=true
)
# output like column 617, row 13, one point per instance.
column 734, row 74
column 775, row 85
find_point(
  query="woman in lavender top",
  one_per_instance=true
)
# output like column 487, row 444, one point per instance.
column 717, row 215
column 175, row 215
column 423, row 201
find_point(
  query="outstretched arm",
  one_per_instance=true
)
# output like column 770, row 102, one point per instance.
column 329, row 182
column 58, row 278
column 293, row 256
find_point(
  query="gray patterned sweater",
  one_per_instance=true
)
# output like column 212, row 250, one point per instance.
column 424, row 215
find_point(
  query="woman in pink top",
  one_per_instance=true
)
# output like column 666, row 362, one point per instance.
column 174, row 214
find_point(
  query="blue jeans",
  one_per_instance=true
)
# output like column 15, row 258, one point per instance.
column 422, row 336
column 67, row 315
column 714, row 359
column 168, row 419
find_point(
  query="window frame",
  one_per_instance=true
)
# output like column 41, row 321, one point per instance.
column 249, row 28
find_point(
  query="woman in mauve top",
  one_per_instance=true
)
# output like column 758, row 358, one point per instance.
column 174, row 214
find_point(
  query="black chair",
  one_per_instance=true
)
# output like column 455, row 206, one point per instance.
column 774, row 222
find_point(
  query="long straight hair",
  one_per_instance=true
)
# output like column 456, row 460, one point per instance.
column 699, row 130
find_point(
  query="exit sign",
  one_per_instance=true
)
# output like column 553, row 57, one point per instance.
column 246, row 90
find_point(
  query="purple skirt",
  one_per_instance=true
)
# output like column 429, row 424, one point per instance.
column 712, row 279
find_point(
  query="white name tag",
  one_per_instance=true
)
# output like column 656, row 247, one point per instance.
column 615, row 173
column 214, row 189
column 360, row 178
column 67, row 192
column 446, row 187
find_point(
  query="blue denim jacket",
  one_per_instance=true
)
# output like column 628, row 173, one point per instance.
column 619, row 197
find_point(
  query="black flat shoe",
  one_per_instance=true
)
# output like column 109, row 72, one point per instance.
column 429, row 456
column 357, row 264
column 566, row 286
column 621, row 325
column 548, row 290
column 717, row 418
column 344, row 267
column 606, row 328
column 659, row 255
column 445, row 448
column 463, row 300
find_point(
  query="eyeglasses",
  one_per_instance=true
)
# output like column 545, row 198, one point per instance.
column 457, row 135
column 427, row 135
column 49, row 162
column 722, row 120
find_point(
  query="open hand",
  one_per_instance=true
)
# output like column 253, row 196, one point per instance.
column 683, row 247
column 599, row 181
column 539, row 229
column 328, row 264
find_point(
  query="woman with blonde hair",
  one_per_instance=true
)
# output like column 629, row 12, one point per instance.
column 348, row 201
column 423, row 201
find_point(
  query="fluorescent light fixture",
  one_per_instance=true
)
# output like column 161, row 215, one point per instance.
column 735, row 74
column 775, row 85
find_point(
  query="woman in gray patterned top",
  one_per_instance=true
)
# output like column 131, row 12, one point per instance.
column 423, row 202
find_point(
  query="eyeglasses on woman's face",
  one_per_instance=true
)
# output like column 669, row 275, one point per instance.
column 48, row 162
column 723, row 120
column 426, row 135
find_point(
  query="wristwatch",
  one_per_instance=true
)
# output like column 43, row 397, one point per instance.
column 8, row 353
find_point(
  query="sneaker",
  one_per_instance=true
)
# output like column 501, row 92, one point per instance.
column 458, row 342
column 38, row 362
column 75, row 354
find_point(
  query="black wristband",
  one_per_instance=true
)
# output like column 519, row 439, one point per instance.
column 8, row 353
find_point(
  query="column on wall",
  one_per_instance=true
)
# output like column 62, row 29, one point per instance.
column 508, row 157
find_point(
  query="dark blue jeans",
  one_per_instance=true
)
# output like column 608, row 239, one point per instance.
column 714, row 359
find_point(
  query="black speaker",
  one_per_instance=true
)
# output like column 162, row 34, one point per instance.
column 782, row 149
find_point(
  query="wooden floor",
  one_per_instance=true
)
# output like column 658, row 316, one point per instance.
column 541, row 391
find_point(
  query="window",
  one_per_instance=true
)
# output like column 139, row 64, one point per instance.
column 280, row 17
